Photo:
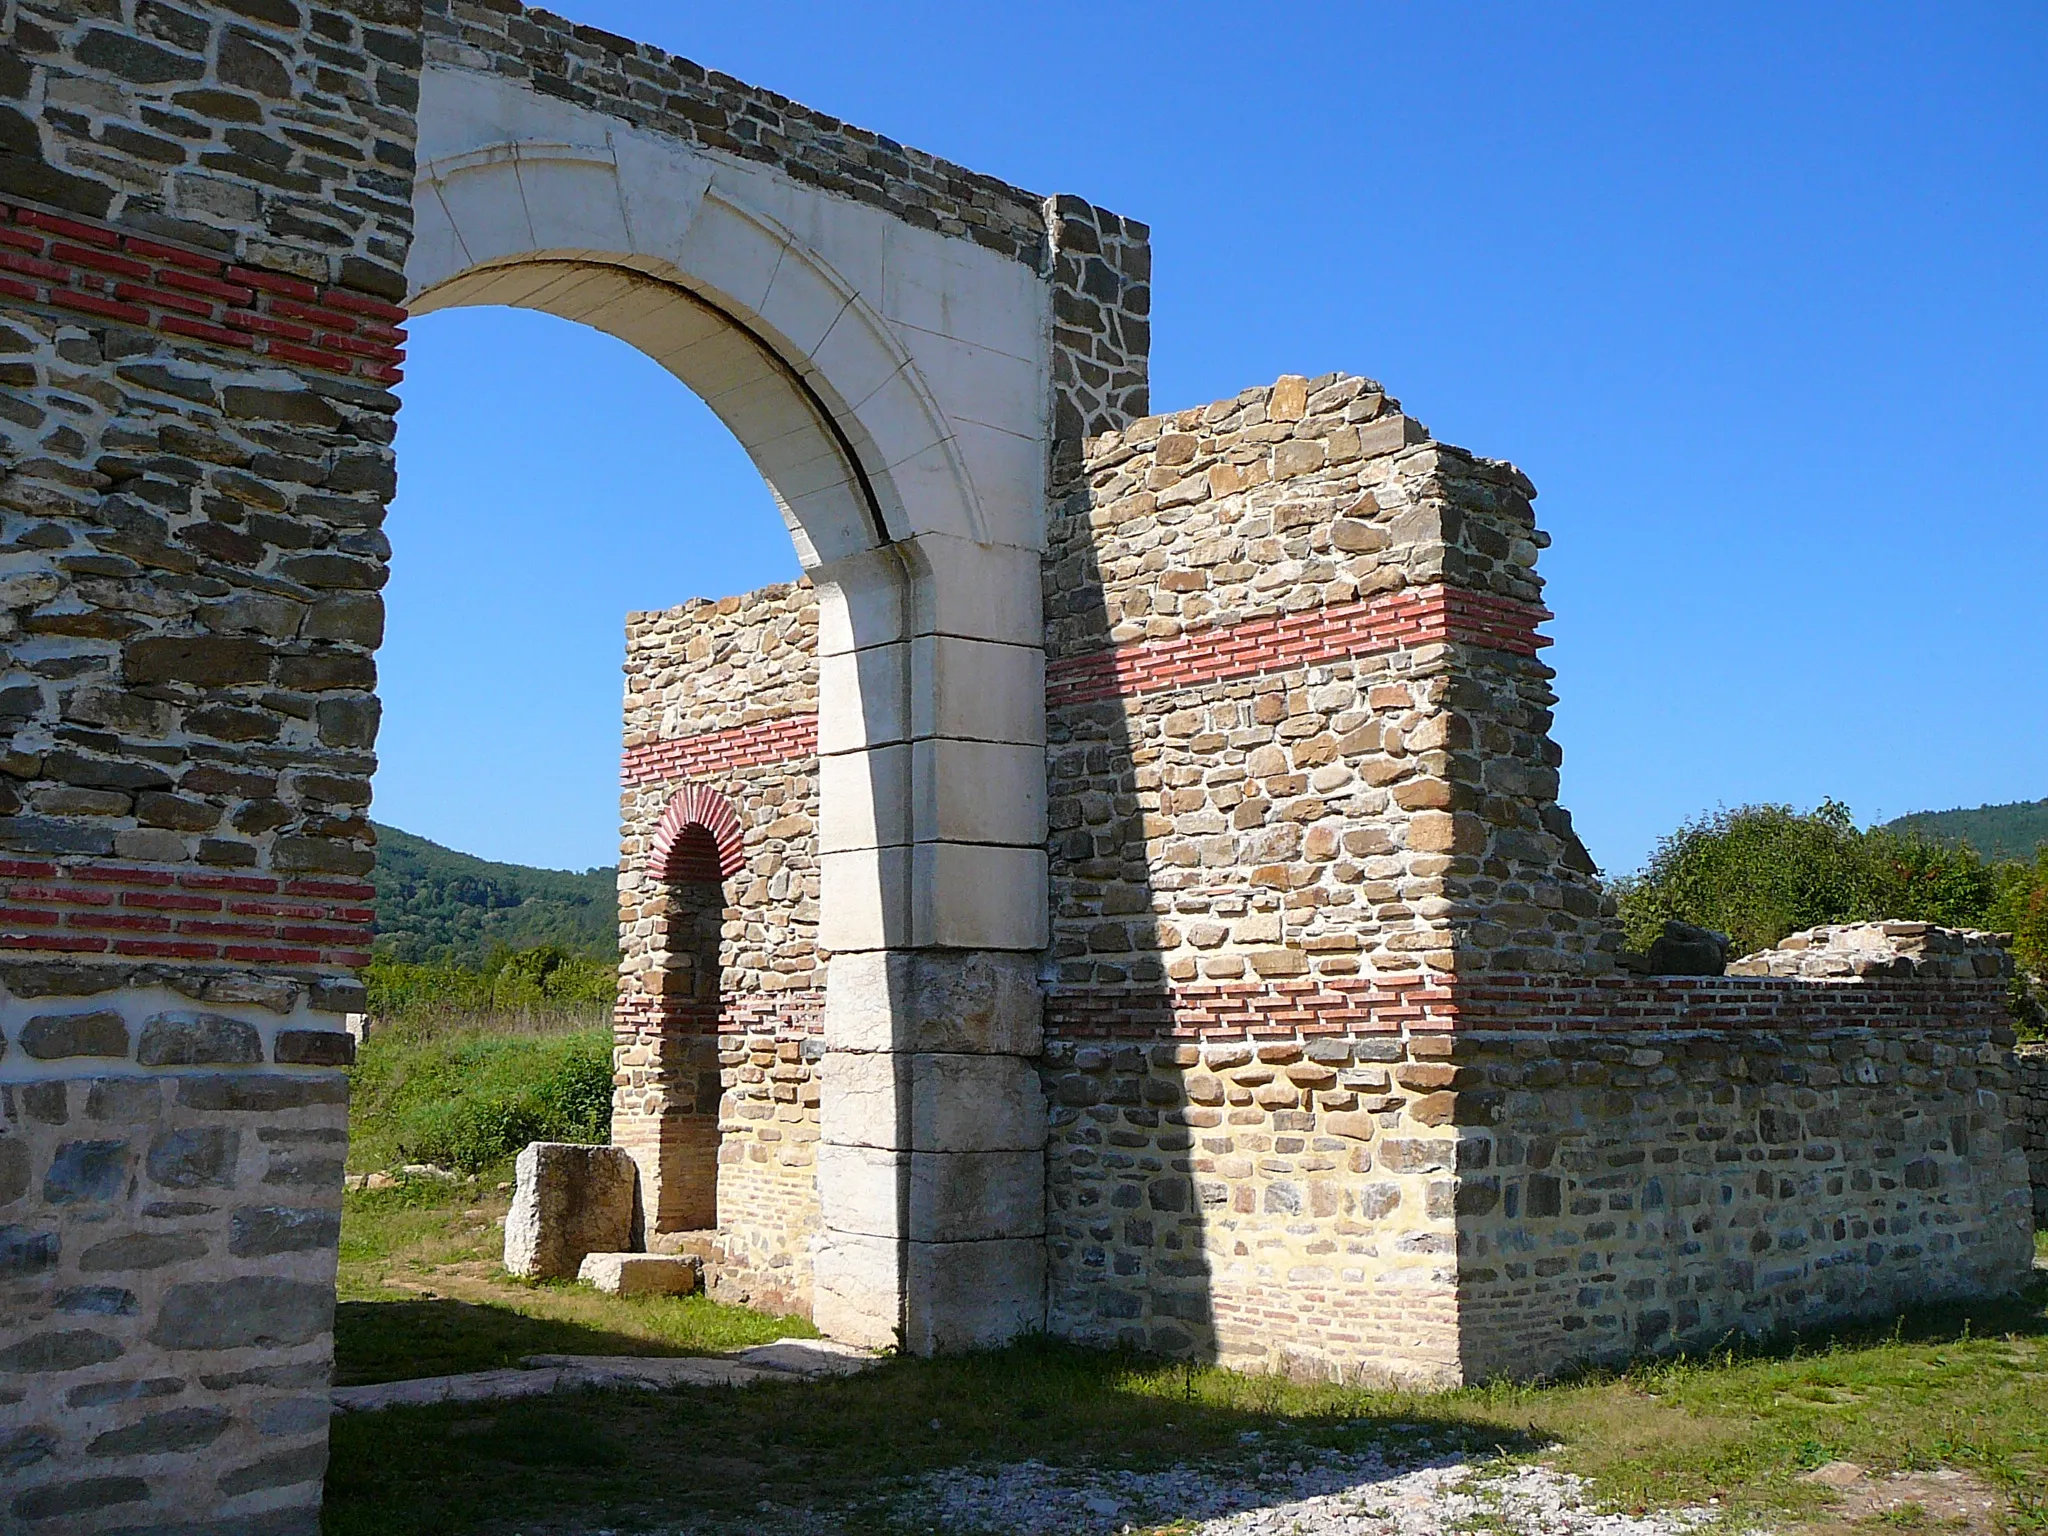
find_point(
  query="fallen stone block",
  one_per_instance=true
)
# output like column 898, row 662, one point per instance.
column 568, row 1201
column 809, row 1358
column 640, row 1274
column 647, row 1371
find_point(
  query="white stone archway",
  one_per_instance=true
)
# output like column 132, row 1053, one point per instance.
column 892, row 385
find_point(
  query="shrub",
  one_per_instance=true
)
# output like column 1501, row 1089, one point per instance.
column 1759, row 872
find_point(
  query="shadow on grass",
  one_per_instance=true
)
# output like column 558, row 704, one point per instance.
column 401, row 1340
column 577, row 1463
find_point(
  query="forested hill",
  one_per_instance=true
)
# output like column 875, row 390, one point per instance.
column 1996, row 831
column 434, row 904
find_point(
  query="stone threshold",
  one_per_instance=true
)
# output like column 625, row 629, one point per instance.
column 538, row 1375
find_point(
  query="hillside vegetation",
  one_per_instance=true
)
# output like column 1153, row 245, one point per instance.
column 2012, row 831
column 437, row 906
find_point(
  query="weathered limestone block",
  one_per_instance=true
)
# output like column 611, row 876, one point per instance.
column 640, row 1274
column 569, row 1201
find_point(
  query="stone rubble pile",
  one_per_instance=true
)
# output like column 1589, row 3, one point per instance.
column 1919, row 950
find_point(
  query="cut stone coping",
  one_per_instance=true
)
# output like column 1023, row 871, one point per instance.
column 783, row 1360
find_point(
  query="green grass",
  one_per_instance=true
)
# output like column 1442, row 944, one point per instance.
column 423, row 1294
column 1963, row 1388
column 465, row 1096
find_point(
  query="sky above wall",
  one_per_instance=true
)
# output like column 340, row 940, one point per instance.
column 1754, row 294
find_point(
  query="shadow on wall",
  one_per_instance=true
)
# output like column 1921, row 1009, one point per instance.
column 1248, row 1162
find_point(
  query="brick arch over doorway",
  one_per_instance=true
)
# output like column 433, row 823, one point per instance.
column 697, row 839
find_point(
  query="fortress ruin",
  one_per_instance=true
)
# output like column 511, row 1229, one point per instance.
column 1120, row 891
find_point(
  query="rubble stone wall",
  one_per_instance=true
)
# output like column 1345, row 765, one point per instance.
column 1342, row 1077
column 203, row 220
column 2032, row 1066
column 1655, row 1164
column 722, row 979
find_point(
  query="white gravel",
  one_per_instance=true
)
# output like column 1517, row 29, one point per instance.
column 1410, row 1490
column 1314, row 1494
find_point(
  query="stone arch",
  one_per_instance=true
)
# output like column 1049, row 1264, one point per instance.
column 714, row 854
column 893, row 386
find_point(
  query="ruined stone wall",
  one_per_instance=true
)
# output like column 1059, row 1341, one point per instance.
column 2032, row 1067
column 1331, row 1065
column 1293, row 713
column 723, row 694
column 203, row 219
column 1665, row 1163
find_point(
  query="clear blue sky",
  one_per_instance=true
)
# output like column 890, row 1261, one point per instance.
column 1754, row 293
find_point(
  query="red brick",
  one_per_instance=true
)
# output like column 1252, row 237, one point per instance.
column 171, row 902
column 331, row 361
column 201, row 331
column 292, row 309
column 123, row 922
column 105, row 261
column 34, row 266
column 56, row 224
column 275, row 282
column 124, row 874
column 189, row 283
column 137, row 294
column 14, row 288
column 171, row 253
column 178, row 949
column 343, row 298
column 227, row 882
column 66, row 944
column 225, row 930
column 250, row 320
column 271, row 954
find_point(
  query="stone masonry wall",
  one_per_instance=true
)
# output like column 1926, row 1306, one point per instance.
column 1099, row 265
column 724, row 695
column 1318, row 917
column 1665, row 1163
column 2032, row 1066
column 203, row 219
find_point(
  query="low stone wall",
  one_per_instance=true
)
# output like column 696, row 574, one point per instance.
column 1667, row 1163
column 1568, row 1171
column 2033, row 1089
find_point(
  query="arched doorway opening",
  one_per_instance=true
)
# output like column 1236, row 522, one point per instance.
column 826, row 336
column 667, row 1108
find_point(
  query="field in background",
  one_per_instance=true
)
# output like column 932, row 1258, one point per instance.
column 468, row 1091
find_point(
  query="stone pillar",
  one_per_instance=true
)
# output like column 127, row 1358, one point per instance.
column 931, row 742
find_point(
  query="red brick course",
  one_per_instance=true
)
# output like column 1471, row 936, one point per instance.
column 711, row 752
column 62, row 262
column 140, row 912
column 1415, row 616
column 1346, row 1006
